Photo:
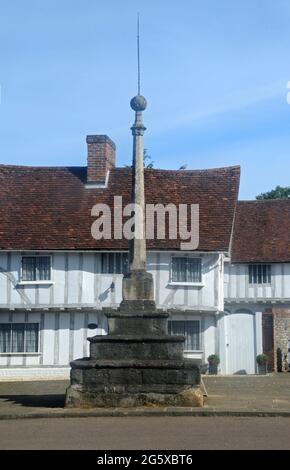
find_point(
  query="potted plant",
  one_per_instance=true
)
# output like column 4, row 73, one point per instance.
column 262, row 361
column 213, row 363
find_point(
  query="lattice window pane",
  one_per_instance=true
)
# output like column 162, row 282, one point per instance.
column 114, row 263
column 31, row 337
column 28, row 269
column 105, row 263
column 190, row 329
column 18, row 337
column 118, row 268
column 5, row 338
column 179, row 267
column 36, row 268
column 111, row 263
column 260, row 273
column 186, row 269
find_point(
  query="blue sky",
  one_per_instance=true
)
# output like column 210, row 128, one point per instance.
column 214, row 74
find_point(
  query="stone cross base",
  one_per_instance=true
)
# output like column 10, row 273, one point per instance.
column 136, row 364
column 134, row 383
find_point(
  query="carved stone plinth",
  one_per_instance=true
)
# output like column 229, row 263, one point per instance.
column 138, row 284
column 136, row 364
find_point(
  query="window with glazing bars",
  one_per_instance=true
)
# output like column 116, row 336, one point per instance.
column 188, row 328
column 260, row 274
column 115, row 263
column 19, row 337
column 36, row 268
column 185, row 269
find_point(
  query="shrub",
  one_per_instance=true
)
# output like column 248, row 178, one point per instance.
column 214, row 360
column 262, row 359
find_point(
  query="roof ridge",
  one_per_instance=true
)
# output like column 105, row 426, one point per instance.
column 223, row 168
column 64, row 167
column 31, row 167
column 262, row 201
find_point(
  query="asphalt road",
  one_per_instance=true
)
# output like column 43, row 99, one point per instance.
column 180, row 433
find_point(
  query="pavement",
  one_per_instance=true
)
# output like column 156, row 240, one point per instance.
column 269, row 393
column 236, row 396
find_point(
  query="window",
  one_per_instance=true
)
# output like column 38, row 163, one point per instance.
column 19, row 337
column 260, row 274
column 115, row 263
column 190, row 329
column 36, row 268
column 185, row 269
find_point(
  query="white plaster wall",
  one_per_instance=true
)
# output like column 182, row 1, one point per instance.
column 62, row 338
column 17, row 374
column 236, row 283
column 77, row 280
column 222, row 344
column 172, row 296
column 80, row 346
column 59, row 279
column 47, row 347
column 209, row 346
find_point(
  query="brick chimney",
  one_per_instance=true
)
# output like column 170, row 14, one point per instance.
column 101, row 158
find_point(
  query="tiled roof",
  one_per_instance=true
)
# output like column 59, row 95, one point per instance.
column 50, row 208
column 262, row 232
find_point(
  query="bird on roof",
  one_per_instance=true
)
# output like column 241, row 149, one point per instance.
column 183, row 167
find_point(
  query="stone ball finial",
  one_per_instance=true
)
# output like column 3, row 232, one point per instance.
column 138, row 103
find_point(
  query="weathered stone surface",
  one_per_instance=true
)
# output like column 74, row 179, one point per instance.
column 281, row 332
column 138, row 285
column 136, row 347
column 145, row 323
column 133, row 376
column 81, row 397
column 136, row 306
column 98, row 363
column 192, row 397
column 135, row 369
column 97, row 381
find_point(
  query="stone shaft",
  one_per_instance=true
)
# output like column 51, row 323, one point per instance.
column 138, row 244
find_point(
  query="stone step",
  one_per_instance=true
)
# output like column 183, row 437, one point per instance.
column 136, row 338
column 138, row 322
column 136, row 347
column 152, row 378
column 90, row 363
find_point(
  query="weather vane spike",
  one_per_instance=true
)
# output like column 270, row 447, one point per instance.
column 138, row 52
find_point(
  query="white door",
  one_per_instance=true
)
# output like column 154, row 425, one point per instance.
column 240, row 343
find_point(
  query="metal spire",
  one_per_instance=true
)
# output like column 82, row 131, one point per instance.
column 138, row 53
